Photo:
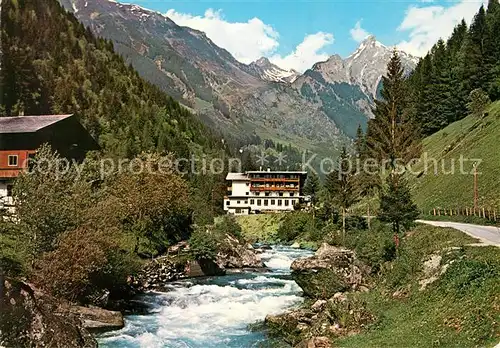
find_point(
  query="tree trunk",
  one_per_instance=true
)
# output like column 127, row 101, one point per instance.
column 343, row 225
column 369, row 218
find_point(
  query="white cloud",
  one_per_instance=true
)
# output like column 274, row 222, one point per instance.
column 246, row 41
column 357, row 33
column 251, row 40
column 306, row 53
column 427, row 24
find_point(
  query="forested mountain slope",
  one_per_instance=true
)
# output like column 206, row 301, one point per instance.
column 469, row 60
column 473, row 139
column 51, row 64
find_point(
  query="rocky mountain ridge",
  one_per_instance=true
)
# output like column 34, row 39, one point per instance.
column 271, row 72
column 320, row 109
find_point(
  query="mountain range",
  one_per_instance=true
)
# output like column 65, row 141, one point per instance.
column 321, row 108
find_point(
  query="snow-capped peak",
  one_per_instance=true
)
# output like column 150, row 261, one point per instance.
column 271, row 72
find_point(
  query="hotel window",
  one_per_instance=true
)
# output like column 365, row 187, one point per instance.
column 280, row 202
column 238, row 202
column 286, row 202
column 267, row 194
column 273, row 202
column 247, row 193
column 281, row 194
column 246, row 202
column 12, row 160
column 252, row 201
column 259, row 202
column 292, row 194
column 266, row 202
column 227, row 203
column 9, row 190
column 238, row 211
column 257, row 193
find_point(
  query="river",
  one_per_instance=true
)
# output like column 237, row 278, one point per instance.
column 213, row 312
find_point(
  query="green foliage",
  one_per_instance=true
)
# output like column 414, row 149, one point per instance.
column 396, row 204
column 52, row 64
column 468, row 138
column 203, row 245
column 64, row 216
column 50, row 200
column 228, row 225
column 443, row 80
column 458, row 309
column 392, row 138
column 312, row 186
column 478, row 103
column 295, row 224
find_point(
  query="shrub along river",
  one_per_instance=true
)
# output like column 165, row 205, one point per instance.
column 213, row 312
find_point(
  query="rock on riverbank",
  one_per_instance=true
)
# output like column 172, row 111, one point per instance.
column 329, row 271
column 30, row 318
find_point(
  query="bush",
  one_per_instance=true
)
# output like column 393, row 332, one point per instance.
column 295, row 224
column 374, row 247
column 86, row 261
column 203, row 245
column 228, row 225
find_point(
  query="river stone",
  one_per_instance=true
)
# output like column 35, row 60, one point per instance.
column 96, row 319
column 31, row 318
column 329, row 271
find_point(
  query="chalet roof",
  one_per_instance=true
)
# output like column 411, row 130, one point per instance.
column 28, row 124
column 237, row 176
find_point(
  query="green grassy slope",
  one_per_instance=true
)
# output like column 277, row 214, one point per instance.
column 471, row 138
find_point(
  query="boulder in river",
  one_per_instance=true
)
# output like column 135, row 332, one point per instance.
column 329, row 271
column 30, row 318
column 96, row 319
column 234, row 254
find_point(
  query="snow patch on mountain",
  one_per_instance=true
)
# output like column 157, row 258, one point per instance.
column 268, row 71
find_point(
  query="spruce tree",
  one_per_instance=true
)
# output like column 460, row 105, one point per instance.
column 312, row 186
column 396, row 204
column 392, row 137
column 342, row 185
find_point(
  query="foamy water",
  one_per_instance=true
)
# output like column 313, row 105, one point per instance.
column 213, row 312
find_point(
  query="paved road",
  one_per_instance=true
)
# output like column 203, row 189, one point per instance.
column 489, row 235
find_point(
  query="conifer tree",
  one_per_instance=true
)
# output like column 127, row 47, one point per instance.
column 392, row 137
column 396, row 204
column 342, row 185
column 312, row 186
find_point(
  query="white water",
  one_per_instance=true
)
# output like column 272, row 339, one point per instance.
column 213, row 312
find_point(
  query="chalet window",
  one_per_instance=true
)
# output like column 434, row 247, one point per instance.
column 280, row 202
column 9, row 190
column 12, row 160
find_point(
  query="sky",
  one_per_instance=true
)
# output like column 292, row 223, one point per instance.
column 295, row 34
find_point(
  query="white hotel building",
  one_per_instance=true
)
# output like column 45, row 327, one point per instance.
column 263, row 191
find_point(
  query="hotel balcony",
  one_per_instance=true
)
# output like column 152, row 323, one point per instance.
column 275, row 180
column 273, row 188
